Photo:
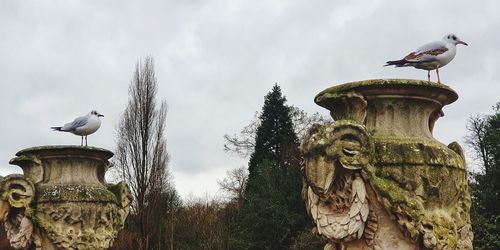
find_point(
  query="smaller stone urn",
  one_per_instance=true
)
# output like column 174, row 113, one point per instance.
column 62, row 201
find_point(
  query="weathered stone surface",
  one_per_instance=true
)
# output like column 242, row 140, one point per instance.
column 415, row 187
column 62, row 200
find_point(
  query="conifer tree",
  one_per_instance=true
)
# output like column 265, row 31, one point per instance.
column 273, row 213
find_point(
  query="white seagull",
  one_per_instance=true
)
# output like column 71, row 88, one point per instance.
column 431, row 56
column 83, row 125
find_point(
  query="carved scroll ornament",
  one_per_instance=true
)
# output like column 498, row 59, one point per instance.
column 335, row 191
column 16, row 194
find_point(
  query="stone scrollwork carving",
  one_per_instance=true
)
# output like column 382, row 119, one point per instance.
column 16, row 194
column 335, row 191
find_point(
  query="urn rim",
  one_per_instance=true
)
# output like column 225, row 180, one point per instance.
column 54, row 150
column 385, row 87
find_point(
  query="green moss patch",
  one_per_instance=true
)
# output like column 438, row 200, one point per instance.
column 77, row 193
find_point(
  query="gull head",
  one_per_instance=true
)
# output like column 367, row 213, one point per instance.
column 453, row 39
column 94, row 112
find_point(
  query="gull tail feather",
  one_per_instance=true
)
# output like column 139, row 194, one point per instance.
column 56, row 128
column 397, row 63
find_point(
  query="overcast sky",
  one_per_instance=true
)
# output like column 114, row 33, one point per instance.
column 215, row 61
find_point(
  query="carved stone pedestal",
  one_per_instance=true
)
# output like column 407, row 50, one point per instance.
column 377, row 179
column 62, row 201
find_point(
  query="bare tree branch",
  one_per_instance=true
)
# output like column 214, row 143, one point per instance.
column 243, row 143
column 475, row 138
column 234, row 183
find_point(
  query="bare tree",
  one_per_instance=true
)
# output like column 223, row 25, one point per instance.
column 475, row 138
column 141, row 155
column 243, row 143
column 234, row 184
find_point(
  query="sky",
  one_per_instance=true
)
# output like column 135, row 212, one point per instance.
column 216, row 60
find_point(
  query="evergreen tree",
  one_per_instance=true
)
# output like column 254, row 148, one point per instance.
column 484, row 138
column 273, row 213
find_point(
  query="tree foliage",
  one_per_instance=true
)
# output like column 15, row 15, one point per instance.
column 141, row 155
column 484, row 139
column 206, row 224
column 273, row 213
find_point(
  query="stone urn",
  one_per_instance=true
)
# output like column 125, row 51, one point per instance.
column 376, row 178
column 62, row 201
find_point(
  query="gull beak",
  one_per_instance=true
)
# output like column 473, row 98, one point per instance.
column 462, row 42
column 99, row 115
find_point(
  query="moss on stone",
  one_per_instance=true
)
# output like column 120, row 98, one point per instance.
column 334, row 95
column 416, row 179
column 348, row 87
column 21, row 158
column 53, row 147
column 443, row 227
column 418, row 194
column 32, row 213
column 388, row 188
column 61, row 148
column 387, row 86
column 65, row 193
column 415, row 151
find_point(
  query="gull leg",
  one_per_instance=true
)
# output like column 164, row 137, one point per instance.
column 86, row 141
column 428, row 75
column 81, row 144
column 437, row 72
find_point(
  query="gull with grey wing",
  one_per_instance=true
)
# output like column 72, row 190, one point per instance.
column 83, row 125
column 431, row 56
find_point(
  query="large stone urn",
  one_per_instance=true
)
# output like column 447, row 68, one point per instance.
column 376, row 178
column 62, row 201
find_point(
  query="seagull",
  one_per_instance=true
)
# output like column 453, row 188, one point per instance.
column 431, row 56
column 82, row 126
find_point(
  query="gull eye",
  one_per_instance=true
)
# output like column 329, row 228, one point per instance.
column 454, row 37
